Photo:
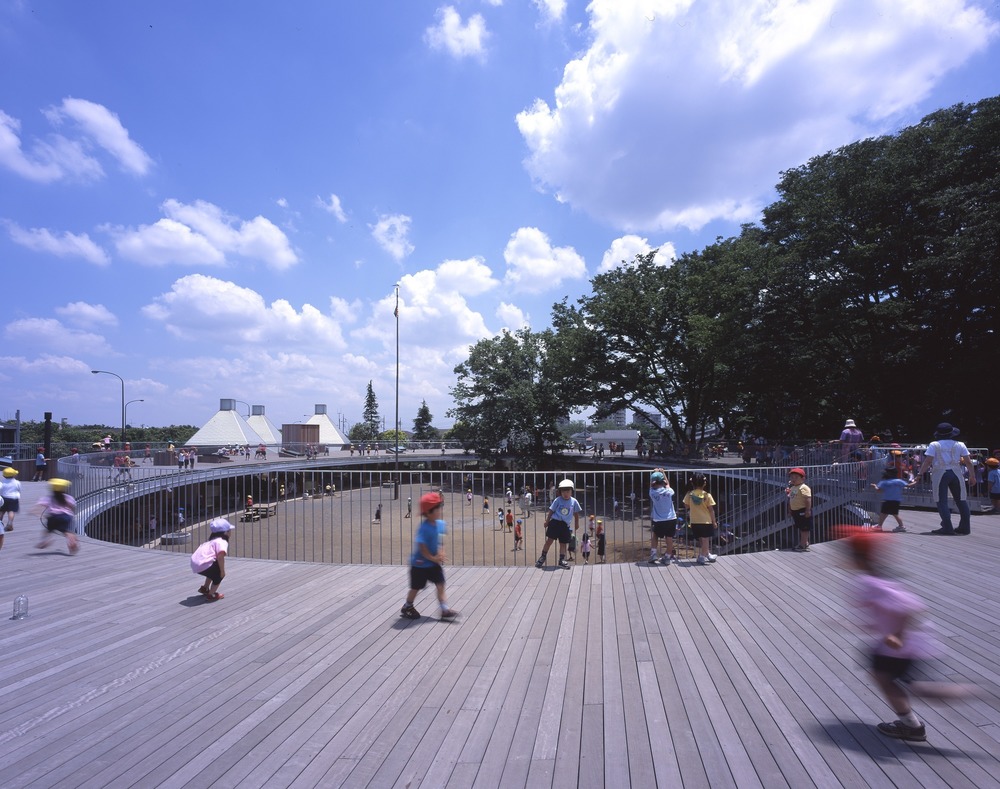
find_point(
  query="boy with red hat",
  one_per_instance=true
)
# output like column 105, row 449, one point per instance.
column 800, row 504
column 426, row 563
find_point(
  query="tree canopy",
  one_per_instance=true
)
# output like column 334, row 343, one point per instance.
column 869, row 290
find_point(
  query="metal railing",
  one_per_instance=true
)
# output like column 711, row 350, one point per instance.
column 345, row 513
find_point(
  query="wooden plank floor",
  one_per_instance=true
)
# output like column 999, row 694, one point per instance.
column 745, row 673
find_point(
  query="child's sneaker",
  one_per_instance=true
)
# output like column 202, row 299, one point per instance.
column 702, row 560
column 712, row 557
column 409, row 612
column 653, row 559
column 899, row 530
column 900, row 731
column 448, row 613
column 666, row 559
column 541, row 561
column 564, row 564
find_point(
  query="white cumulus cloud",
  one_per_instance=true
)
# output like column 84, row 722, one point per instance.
column 104, row 127
column 84, row 314
column 511, row 316
column 391, row 232
column 623, row 251
column 62, row 245
column 457, row 39
column 203, row 234
column 534, row 265
column 658, row 123
column 203, row 308
column 333, row 206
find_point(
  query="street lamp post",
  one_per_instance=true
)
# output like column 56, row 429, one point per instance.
column 125, row 417
column 106, row 372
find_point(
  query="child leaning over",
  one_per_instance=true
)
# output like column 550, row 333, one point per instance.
column 209, row 558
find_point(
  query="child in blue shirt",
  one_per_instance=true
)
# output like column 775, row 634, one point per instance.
column 663, row 517
column 891, row 487
column 426, row 563
column 561, row 521
column 993, row 483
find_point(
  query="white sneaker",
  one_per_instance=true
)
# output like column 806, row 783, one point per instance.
column 712, row 557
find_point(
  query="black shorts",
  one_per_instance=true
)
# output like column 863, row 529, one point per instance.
column 664, row 529
column 60, row 522
column 213, row 573
column 802, row 522
column 421, row 576
column 896, row 667
column 558, row 530
column 10, row 505
column 890, row 508
column 702, row 530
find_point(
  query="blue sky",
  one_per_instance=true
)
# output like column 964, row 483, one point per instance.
column 217, row 199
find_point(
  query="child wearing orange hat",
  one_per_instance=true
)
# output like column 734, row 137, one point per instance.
column 800, row 506
column 428, row 558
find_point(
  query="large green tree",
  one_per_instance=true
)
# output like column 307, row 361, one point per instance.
column 505, row 396
column 886, row 292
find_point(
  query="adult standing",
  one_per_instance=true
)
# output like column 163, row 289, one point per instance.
column 945, row 457
column 850, row 440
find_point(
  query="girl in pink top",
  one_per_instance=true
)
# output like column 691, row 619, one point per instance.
column 209, row 558
column 58, row 509
column 895, row 617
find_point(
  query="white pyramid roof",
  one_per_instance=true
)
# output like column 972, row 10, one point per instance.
column 328, row 432
column 264, row 427
column 225, row 428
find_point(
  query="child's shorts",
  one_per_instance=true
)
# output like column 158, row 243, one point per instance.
column 890, row 508
column 213, row 572
column 703, row 530
column 802, row 523
column 60, row 522
column 421, row 576
column 663, row 529
column 896, row 667
column 558, row 530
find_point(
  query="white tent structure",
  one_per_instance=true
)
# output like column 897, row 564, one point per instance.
column 263, row 426
column 226, row 428
column 328, row 432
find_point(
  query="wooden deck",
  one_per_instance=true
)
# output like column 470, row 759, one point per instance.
column 745, row 673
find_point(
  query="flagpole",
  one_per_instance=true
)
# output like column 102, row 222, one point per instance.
column 396, row 425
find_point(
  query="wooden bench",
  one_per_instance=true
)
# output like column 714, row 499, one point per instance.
column 257, row 511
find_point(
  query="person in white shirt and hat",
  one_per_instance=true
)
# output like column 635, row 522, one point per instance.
column 945, row 457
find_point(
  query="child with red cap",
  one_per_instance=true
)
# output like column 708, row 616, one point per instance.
column 800, row 504
column 426, row 563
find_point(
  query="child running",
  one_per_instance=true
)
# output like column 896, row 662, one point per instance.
column 58, row 508
column 518, row 534
column 428, row 558
column 209, row 558
column 663, row 517
column 891, row 487
column 894, row 616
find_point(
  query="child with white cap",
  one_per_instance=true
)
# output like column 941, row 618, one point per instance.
column 209, row 559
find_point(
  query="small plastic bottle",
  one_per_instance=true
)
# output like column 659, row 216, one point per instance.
column 20, row 607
